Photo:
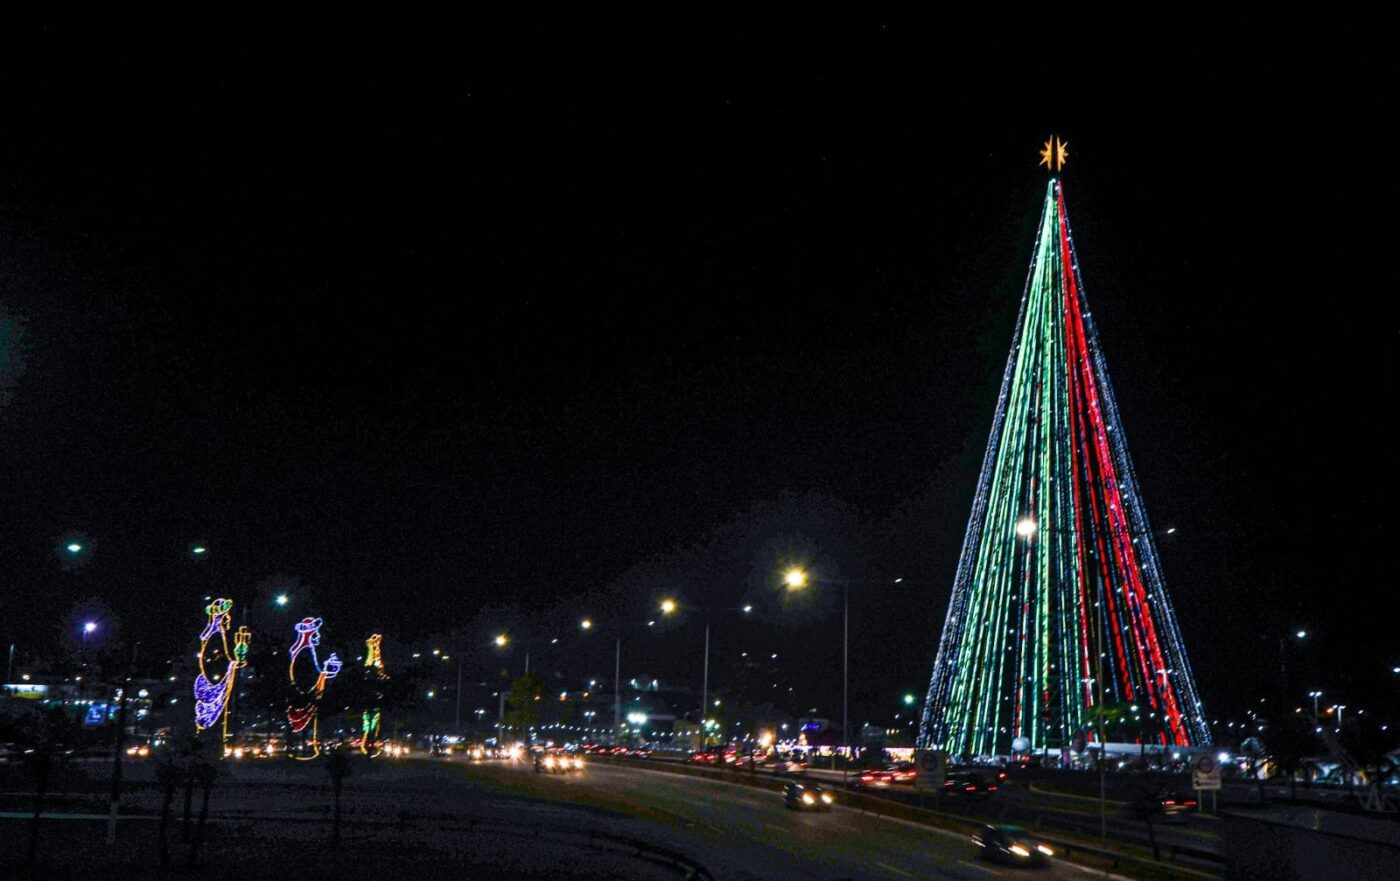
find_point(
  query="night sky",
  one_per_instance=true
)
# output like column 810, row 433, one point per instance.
column 567, row 314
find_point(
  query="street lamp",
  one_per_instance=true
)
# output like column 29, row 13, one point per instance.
column 282, row 599
column 1315, row 695
column 796, row 578
column 74, row 547
column 670, row 606
column 1025, row 527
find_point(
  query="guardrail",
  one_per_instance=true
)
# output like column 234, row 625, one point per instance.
column 1098, row 856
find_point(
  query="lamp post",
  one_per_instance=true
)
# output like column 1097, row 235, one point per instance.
column 796, row 578
column 670, row 607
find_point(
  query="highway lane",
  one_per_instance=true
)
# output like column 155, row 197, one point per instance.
column 1017, row 802
column 743, row 833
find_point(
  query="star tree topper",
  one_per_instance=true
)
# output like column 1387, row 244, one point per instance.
column 1054, row 154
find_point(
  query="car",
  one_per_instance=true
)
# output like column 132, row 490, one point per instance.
column 807, row 797
column 1011, row 845
column 705, row 757
column 968, row 784
column 790, row 767
column 902, row 772
column 1178, row 804
column 875, row 778
column 1168, row 807
column 557, row 762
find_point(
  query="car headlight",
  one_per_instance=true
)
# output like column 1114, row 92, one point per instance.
column 578, row 763
column 1020, row 851
column 1045, row 850
column 808, row 799
column 826, row 797
column 549, row 762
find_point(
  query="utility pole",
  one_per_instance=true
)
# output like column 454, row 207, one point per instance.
column 119, row 742
column 617, row 690
column 705, row 687
column 457, row 727
column 846, row 677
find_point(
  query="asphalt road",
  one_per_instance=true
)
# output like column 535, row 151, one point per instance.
column 742, row 833
column 505, row 814
column 1017, row 802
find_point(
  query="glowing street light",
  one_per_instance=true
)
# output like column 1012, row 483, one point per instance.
column 501, row 640
column 668, row 606
column 909, row 700
column 748, row 609
column 89, row 627
column 74, row 548
column 1025, row 528
column 586, row 624
column 795, row 578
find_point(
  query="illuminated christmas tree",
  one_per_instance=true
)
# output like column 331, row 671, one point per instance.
column 1059, row 606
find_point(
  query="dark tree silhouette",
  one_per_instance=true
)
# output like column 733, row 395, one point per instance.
column 337, row 768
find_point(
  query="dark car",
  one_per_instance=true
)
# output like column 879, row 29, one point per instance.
column 790, row 767
column 876, row 778
column 1171, row 807
column 807, row 797
column 1011, row 845
column 903, row 772
column 968, row 784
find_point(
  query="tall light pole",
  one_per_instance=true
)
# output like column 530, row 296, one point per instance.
column 457, row 727
column 795, row 579
column 1315, row 695
column 670, row 607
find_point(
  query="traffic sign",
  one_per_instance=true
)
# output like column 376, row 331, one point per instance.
column 930, row 767
column 1205, row 772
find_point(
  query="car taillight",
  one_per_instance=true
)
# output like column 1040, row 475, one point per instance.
column 970, row 788
column 991, row 789
column 1190, row 804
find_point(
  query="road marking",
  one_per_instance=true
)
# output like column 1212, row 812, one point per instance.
column 980, row 868
column 893, row 869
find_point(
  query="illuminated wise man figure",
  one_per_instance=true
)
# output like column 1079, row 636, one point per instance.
column 212, row 693
column 370, row 744
column 302, row 714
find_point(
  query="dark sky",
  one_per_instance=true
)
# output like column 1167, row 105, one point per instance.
column 433, row 315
